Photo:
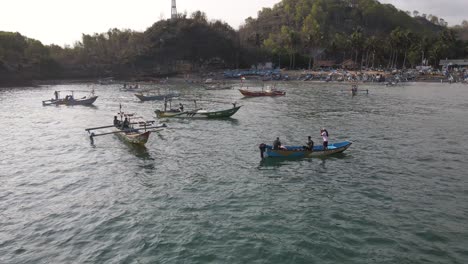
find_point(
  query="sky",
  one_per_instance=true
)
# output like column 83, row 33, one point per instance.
column 62, row 22
column 452, row 11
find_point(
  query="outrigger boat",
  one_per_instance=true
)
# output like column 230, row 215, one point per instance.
column 354, row 90
column 158, row 97
column 196, row 113
column 301, row 151
column 132, row 132
column 130, row 88
column 267, row 92
column 218, row 86
column 70, row 100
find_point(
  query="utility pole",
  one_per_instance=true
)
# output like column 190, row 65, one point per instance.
column 173, row 10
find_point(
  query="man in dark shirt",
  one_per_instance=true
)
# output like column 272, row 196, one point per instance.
column 310, row 143
column 276, row 144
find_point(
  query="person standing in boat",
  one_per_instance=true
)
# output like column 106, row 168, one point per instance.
column 56, row 94
column 116, row 121
column 277, row 144
column 324, row 134
column 310, row 143
column 125, row 124
column 181, row 107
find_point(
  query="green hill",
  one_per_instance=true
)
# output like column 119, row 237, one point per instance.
column 366, row 31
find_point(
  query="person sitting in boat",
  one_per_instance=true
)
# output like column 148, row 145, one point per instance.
column 324, row 134
column 309, row 144
column 125, row 124
column 116, row 121
column 181, row 107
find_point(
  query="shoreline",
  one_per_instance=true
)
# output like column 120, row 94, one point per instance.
column 294, row 76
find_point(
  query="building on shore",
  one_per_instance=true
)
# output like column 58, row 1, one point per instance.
column 459, row 63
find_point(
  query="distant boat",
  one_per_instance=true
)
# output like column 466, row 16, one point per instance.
column 129, row 88
column 198, row 113
column 301, row 152
column 144, row 98
column 106, row 81
column 71, row 100
column 266, row 92
column 218, row 86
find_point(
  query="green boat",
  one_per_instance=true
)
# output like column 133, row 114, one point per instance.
column 198, row 113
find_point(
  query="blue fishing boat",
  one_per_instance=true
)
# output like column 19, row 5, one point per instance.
column 301, row 151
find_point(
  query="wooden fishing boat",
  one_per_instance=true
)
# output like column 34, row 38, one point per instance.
column 198, row 113
column 158, row 97
column 70, row 99
column 266, row 92
column 130, row 88
column 302, row 152
column 354, row 90
column 133, row 132
column 218, row 86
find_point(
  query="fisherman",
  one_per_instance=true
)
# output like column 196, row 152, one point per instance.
column 354, row 89
column 310, row 143
column 277, row 144
column 234, row 105
column 181, row 107
column 116, row 121
column 56, row 95
column 324, row 134
column 125, row 124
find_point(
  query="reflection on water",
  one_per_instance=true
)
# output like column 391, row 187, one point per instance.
column 199, row 192
column 139, row 151
column 278, row 162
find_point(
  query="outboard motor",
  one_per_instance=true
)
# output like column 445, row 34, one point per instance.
column 262, row 148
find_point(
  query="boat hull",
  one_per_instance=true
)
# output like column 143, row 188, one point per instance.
column 248, row 93
column 135, row 137
column 199, row 113
column 85, row 101
column 218, row 87
column 144, row 98
column 300, row 152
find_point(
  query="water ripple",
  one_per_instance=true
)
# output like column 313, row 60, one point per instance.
column 198, row 192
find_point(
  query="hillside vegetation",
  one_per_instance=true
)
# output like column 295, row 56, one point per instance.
column 365, row 31
column 293, row 34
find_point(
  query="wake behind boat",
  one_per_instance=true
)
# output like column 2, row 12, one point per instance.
column 301, row 151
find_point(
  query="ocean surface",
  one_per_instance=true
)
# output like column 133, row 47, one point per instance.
column 200, row 193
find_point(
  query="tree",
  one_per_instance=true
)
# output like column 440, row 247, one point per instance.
column 357, row 42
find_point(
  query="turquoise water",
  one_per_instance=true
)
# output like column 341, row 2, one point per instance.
column 199, row 192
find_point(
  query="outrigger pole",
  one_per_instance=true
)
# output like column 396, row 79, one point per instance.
column 134, row 123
